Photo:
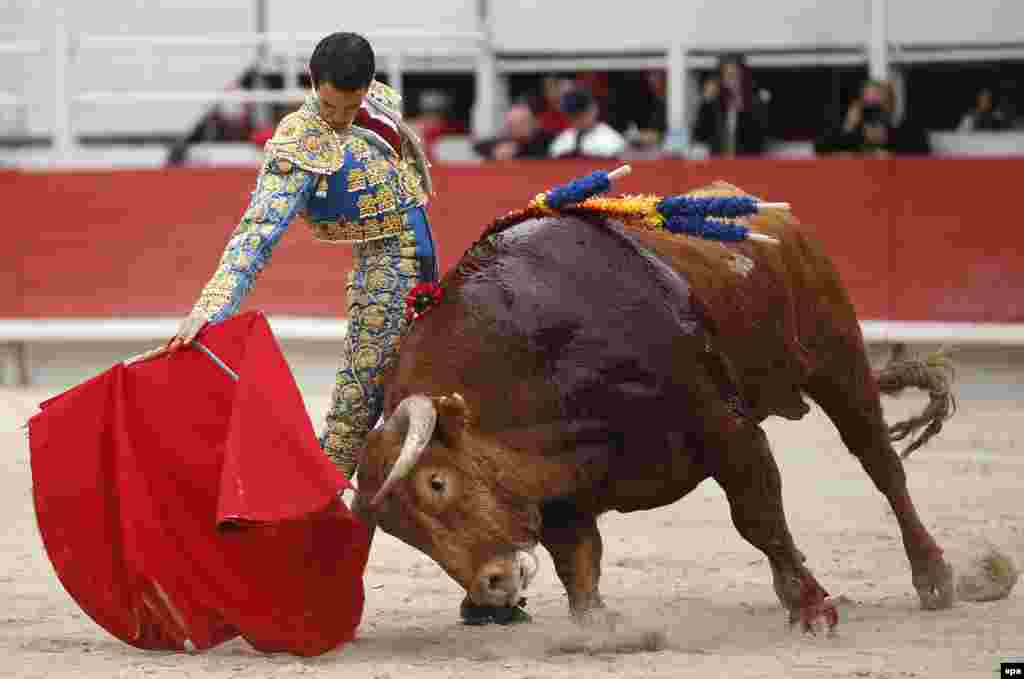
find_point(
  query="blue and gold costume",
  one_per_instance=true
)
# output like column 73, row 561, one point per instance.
column 349, row 187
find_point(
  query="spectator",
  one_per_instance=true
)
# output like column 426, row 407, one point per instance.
column 520, row 137
column 588, row 137
column 985, row 115
column 435, row 120
column 730, row 121
column 262, row 134
column 599, row 86
column 236, row 122
column 550, row 117
column 870, row 127
column 649, row 121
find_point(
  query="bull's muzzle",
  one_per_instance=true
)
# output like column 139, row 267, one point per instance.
column 502, row 580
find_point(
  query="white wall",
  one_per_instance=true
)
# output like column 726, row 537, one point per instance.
column 585, row 25
column 580, row 25
column 369, row 17
column 980, row 21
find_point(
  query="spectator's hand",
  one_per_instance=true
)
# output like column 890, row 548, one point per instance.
column 712, row 88
column 647, row 138
column 876, row 134
column 506, row 150
column 854, row 116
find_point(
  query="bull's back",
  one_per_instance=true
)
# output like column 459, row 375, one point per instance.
column 774, row 310
column 574, row 326
column 566, row 325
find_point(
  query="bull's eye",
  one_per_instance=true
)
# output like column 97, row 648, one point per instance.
column 436, row 488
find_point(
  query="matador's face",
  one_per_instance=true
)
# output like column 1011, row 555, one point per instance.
column 339, row 107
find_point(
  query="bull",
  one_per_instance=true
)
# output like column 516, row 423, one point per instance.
column 576, row 366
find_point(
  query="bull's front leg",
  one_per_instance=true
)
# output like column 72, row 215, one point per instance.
column 572, row 539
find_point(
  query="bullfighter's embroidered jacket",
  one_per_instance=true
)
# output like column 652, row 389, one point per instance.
column 369, row 182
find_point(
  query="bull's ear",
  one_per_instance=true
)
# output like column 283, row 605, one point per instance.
column 453, row 416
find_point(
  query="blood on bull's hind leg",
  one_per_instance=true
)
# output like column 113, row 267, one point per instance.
column 849, row 395
column 744, row 466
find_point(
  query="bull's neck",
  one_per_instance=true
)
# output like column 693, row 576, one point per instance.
column 537, row 473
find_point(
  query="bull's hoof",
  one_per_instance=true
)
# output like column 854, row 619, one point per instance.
column 600, row 618
column 816, row 616
column 474, row 614
column 934, row 585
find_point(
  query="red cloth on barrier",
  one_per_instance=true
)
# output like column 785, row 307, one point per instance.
column 178, row 504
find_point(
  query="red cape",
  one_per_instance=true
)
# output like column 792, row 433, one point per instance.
column 176, row 503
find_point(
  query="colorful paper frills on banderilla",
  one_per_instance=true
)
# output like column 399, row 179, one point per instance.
column 713, row 218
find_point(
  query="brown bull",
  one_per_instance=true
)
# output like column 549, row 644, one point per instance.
column 576, row 366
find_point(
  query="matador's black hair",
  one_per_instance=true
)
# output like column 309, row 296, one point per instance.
column 345, row 60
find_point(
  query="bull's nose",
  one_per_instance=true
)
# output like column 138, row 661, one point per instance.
column 499, row 584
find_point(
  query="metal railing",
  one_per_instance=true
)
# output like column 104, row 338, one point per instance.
column 401, row 50
column 293, row 47
column 27, row 48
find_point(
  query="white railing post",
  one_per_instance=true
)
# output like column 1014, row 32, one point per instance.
column 676, row 99
column 675, row 84
column 878, row 40
column 14, row 366
column 485, row 108
column 63, row 146
column 395, row 72
column 291, row 71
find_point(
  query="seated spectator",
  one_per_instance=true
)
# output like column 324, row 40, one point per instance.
column 435, row 120
column 870, row 127
column 588, row 137
column 550, row 117
column 649, row 120
column 599, row 86
column 985, row 115
column 520, row 137
column 730, row 119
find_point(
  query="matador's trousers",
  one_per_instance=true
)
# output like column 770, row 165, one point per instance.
column 384, row 271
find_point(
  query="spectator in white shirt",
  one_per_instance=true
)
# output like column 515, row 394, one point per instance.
column 588, row 137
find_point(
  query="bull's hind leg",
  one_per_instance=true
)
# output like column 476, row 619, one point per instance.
column 847, row 392
column 744, row 466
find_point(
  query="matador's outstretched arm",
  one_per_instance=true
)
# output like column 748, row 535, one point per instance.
column 282, row 189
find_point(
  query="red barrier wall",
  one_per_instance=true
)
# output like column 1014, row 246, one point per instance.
column 914, row 239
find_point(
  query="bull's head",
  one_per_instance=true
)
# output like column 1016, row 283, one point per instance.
column 425, row 478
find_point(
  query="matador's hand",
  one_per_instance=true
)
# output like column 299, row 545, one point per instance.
column 187, row 332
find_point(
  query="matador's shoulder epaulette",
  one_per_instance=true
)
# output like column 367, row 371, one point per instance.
column 303, row 138
column 386, row 97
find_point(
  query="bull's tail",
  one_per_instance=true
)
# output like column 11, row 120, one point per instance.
column 934, row 375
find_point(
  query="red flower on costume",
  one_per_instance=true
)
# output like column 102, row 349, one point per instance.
column 420, row 299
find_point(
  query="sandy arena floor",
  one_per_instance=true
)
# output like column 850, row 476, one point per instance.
column 698, row 599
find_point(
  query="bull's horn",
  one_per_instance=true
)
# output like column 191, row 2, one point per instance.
column 363, row 513
column 417, row 415
column 530, row 565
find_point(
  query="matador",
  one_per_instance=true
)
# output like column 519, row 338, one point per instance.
column 351, row 168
